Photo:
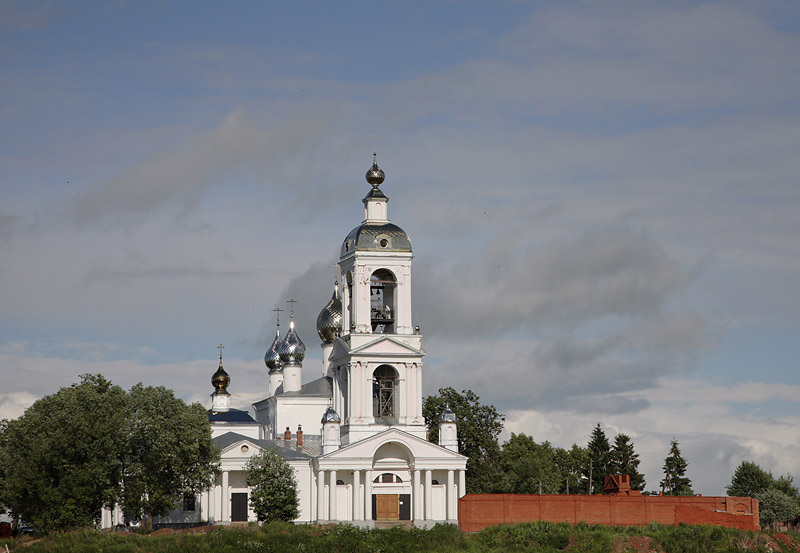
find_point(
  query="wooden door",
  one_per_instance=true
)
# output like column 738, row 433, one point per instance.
column 238, row 507
column 387, row 507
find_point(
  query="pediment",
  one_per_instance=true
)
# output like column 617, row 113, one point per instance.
column 386, row 345
column 417, row 449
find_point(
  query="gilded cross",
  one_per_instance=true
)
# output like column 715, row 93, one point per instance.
column 278, row 311
column 220, row 348
column 292, row 302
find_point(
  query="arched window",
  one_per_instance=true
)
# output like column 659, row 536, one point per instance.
column 388, row 478
column 381, row 301
column 348, row 279
column 340, row 482
column 383, row 387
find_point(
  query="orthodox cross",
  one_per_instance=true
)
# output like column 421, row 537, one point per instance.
column 374, row 137
column 220, row 348
column 292, row 302
column 278, row 311
column 335, row 272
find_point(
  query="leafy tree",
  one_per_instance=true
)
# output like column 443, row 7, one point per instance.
column 675, row 482
column 776, row 506
column 748, row 480
column 624, row 460
column 571, row 463
column 529, row 467
column 273, row 494
column 785, row 484
column 478, row 428
column 168, row 452
column 59, row 461
column 599, row 458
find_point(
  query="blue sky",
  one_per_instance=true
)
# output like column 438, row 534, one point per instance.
column 602, row 199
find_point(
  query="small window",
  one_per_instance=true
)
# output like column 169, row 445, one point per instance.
column 189, row 501
column 435, row 482
column 340, row 482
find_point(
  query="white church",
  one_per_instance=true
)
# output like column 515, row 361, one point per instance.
column 355, row 436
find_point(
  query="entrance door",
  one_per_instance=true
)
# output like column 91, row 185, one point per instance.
column 387, row 506
column 238, row 507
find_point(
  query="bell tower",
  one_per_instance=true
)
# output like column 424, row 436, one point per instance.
column 376, row 361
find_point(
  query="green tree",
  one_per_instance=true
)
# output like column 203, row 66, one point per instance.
column 599, row 459
column 749, row 479
column 59, row 461
column 478, row 428
column 273, row 493
column 776, row 506
column 624, row 460
column 528, row 467
column 675, row 481
column 168, row 452
column 571, row 463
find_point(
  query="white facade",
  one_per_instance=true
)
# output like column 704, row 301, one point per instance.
column 355, row 437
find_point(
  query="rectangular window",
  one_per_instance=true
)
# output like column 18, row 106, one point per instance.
column 189, row 501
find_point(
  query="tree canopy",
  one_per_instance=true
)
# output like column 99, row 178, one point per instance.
column 675, row 481
column 530, row 467
column 92, row 445
column 600, row 459
column 168, row 452
column 778, row 499
column 478, row 429
column 59, row 461
column 273, row 493
column 624, row 460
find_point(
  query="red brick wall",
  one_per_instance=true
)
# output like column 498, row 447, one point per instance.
column 480, row 510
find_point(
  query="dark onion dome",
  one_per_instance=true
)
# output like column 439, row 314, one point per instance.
column 331, row 415
column 375, row 175
column 220, row 380
column 272, row 359
column 292, row 350
column 380, row 237
column 329, row 320
column 447, row 415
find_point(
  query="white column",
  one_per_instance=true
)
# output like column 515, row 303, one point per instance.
column 428, row 495
column 418, row 370
column 368, row 495
column 212, row 504
column 462, row 483
column 333, row 515
column 357, row 499
column 226, row 500
column 401, row 398
column 449, row 495
column 416, row 489
column 321, row 495
column 355, row 387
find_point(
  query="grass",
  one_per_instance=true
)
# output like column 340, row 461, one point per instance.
column 538, row 537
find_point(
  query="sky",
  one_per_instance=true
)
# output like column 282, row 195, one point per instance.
column 602, row 198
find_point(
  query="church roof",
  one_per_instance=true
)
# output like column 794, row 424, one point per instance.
column 232, row 416
column 376, row 237
column 320, row 387
column 312, row 445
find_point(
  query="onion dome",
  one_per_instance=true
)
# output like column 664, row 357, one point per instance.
column 375, row 174
column 220, row 380
column 447, row 416
column 272, row 359
column 329, row 320
column 292, row 350
column 331, row 415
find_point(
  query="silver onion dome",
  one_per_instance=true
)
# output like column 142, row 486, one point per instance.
column 292, row 350
column 447, row 416
column 331, row 415
column 329, row 320
column 375, row 174
column 272, row 359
